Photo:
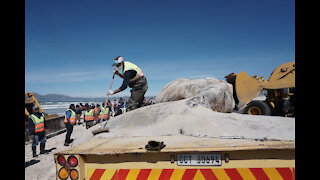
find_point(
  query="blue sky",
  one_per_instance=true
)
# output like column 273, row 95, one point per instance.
column 70, row 45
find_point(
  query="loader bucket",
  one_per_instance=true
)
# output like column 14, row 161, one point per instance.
column 247, row 88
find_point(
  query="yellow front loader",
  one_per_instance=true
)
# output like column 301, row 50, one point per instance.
column 278, row 89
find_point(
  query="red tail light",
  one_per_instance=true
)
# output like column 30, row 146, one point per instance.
column 61, row 160
column 72, row 161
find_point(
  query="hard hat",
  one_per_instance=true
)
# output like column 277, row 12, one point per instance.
column 117, row 60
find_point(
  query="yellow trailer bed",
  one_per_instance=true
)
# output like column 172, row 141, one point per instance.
column 183, row 157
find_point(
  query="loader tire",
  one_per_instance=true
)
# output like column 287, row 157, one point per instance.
column 257, row 107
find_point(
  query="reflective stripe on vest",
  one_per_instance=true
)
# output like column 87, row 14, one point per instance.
column 38, row 122
column 104, row 116
column 72, row 118
column 130, row 66
column 104, row 113
column 89, row 116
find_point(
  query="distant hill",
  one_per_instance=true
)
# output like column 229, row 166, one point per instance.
column 54, row 97
column 60, row 97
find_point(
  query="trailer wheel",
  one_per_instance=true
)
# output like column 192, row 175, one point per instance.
column 258, row 108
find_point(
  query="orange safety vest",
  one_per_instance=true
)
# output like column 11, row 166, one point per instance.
column 96, row 115
column 89, row 116
column 72, row 118
column 39, row 123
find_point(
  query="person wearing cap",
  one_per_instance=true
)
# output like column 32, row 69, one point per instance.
column 133, row 77
column 37, row 126
column 89, row 116
column 69, row 121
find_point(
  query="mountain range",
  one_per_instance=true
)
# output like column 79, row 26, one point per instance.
column 60, row 97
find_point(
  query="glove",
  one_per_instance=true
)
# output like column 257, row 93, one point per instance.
column 110, row 92
column 115, row 71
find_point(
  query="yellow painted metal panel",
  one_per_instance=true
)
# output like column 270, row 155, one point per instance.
column 90, row 172
column 167, row 165
column 177, row 174
column 116, row 145
column 199, row 176
column 133, row 174
column 154, row 174
column 272, row 173
column 221, row 174
column 108, row 174
column 246, row 174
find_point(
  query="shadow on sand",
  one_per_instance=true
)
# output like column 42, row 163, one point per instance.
column 49, row 150
column 31, row 162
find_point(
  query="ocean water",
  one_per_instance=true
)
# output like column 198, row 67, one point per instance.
column 60, row 107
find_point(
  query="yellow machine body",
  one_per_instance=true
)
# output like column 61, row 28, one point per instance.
column 247, row 88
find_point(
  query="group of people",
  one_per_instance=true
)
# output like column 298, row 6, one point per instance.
column 132, row 76
column 92, row 114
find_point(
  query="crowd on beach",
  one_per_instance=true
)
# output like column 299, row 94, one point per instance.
column 115, row 107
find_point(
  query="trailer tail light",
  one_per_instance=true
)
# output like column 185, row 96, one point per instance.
column 61, row 160
column 72, row 161
column 69, row 165
column 74, row 174
column 63, row 173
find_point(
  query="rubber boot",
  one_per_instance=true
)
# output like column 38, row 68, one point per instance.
column 34, row 151
column 42, row 147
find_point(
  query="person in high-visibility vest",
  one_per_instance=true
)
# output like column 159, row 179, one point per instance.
column 96, row 113
column 69, row 121
column 133, row 77
column 78, row 113
column 121, row 106
column 123, row 109
column 37, row 126
column 89, row 116
column 104, row 113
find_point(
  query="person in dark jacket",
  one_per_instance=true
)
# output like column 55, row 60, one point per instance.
column 78, row 114
column 37, row 126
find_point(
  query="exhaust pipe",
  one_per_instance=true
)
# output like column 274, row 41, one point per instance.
column 155, row 145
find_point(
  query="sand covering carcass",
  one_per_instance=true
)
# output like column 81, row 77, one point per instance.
column 196, row 108
column 194, row 116
column 179, row 117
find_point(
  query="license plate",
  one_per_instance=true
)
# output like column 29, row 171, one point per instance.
column 199, row 159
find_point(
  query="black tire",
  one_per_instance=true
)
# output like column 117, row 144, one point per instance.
column 258, row 108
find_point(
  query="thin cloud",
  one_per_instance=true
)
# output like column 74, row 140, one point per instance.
column 60, row 77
